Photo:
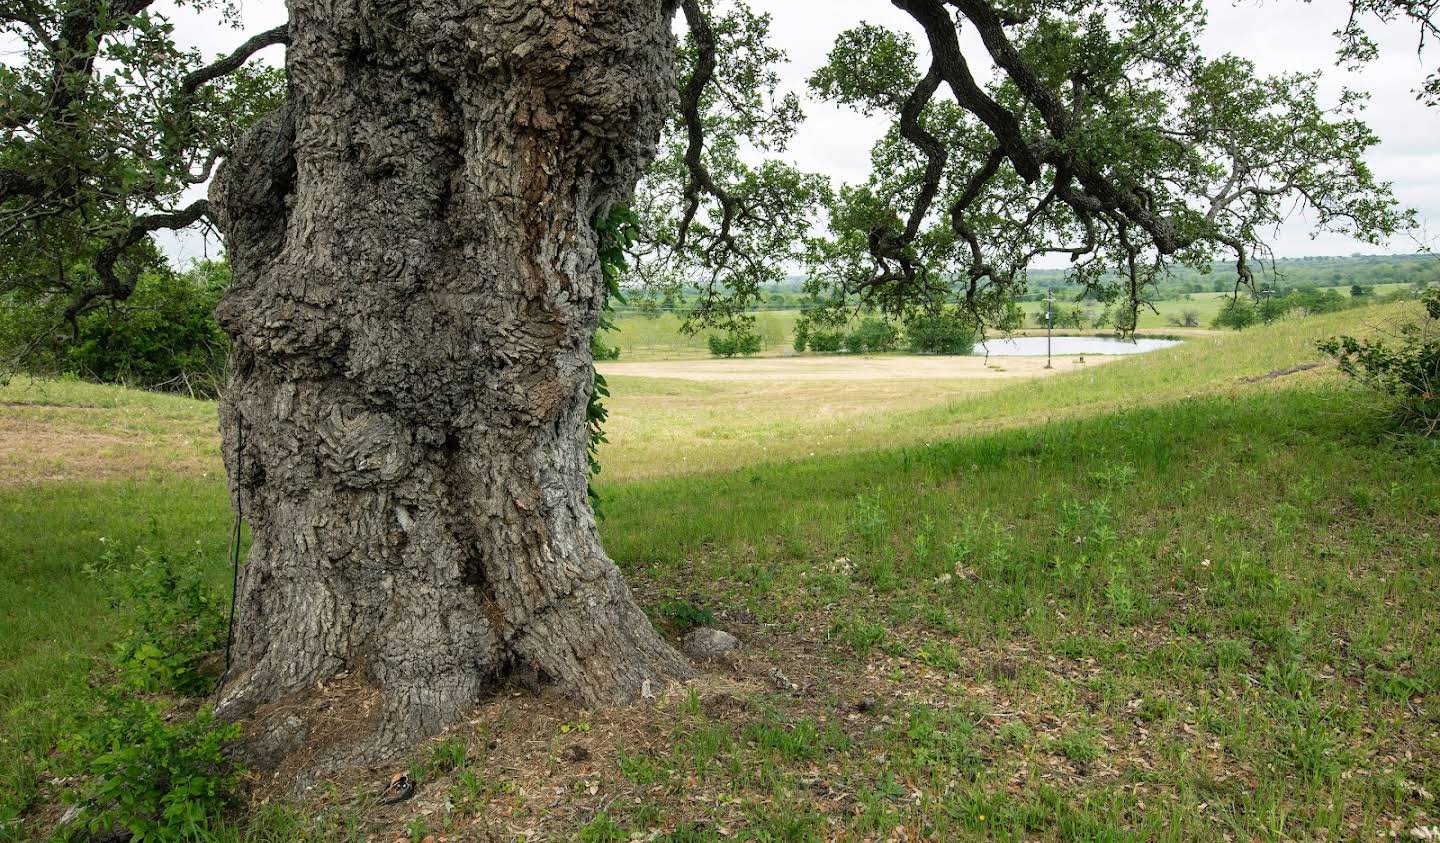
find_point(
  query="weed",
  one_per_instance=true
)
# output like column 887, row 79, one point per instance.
column 160, row 780
column 1079, row 745
column 861, row 637
column 641, row 769
column 448, row 754
column 684, row 616
column 602, row 829
column 174, row 619
column 418, row 829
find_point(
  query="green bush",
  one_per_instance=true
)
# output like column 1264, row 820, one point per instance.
column 684, row 615
column 1408, row 372
column 1237, row 314
column 827, row 341
column 164, row 336
column 943, row 333
column 1313, row 300
column 159, row 779
column 872, row 335
column 1187, row 319
column 145, row 766
column 739, row 342
column 600, row 351
column 1272, row 308
column 174, row 621
column 802, row 337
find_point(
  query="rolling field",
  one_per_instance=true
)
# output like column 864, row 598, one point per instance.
column 1150, row 599
column 659, row 338
column 647, row 339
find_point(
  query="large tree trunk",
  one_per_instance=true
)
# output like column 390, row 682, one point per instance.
column 416, row 286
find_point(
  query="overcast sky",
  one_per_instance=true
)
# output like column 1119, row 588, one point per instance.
column 1278, row 35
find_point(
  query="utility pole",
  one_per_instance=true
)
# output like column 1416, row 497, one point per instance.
column 1049, row 325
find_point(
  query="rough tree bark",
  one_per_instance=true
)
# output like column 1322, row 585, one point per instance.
column 416, row 284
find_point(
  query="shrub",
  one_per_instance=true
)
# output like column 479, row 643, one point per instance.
column 1237, row 314
column 1012, row 318
column 943, row 333
column 1408, row 373
column 684, row 615
column 1075, row 317
column 164, row 336
column 175, row 622
column 874, row 335
column 735, row 342
column 159, row 780
column 802, row 337
column 826, row 341
column 1186, row 319
column 1272, row 308
column 600, row 351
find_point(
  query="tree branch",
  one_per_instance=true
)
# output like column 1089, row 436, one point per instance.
column 112, row 285
column 232, row 62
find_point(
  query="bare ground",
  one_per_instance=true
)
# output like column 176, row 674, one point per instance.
column 851, row 368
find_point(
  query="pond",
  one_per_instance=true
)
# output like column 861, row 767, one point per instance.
column 1069, row 346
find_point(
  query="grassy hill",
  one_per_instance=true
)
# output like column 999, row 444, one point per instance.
column 1149, row 600
column 659, row 337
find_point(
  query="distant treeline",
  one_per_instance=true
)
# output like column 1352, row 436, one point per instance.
column 1420, row 270
column 1288, row 274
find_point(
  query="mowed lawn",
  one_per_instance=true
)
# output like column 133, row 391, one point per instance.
column 1146, row 600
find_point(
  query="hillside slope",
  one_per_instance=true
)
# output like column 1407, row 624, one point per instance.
column 1149, row 601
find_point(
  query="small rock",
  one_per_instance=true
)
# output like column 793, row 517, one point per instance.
column 709, row 645
column 575, row 753
column 865, row 705
column 781, row 681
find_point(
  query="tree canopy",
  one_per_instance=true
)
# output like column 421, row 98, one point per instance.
column 1094, row 130
column 1091, row 129
column 106, row 124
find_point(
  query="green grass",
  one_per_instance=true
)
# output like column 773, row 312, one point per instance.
column 660, row 338
column 642, row 338
column 1218, row 613
column 1146, row 601
column 665, row 426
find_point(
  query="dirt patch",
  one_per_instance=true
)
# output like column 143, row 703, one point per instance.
column 43, row 452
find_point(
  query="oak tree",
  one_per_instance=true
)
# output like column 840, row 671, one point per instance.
column 416, row 236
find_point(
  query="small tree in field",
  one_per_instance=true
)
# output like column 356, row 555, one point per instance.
column 940, row 333
column 1237, row 315
column 737, row 342
column 872, row 335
